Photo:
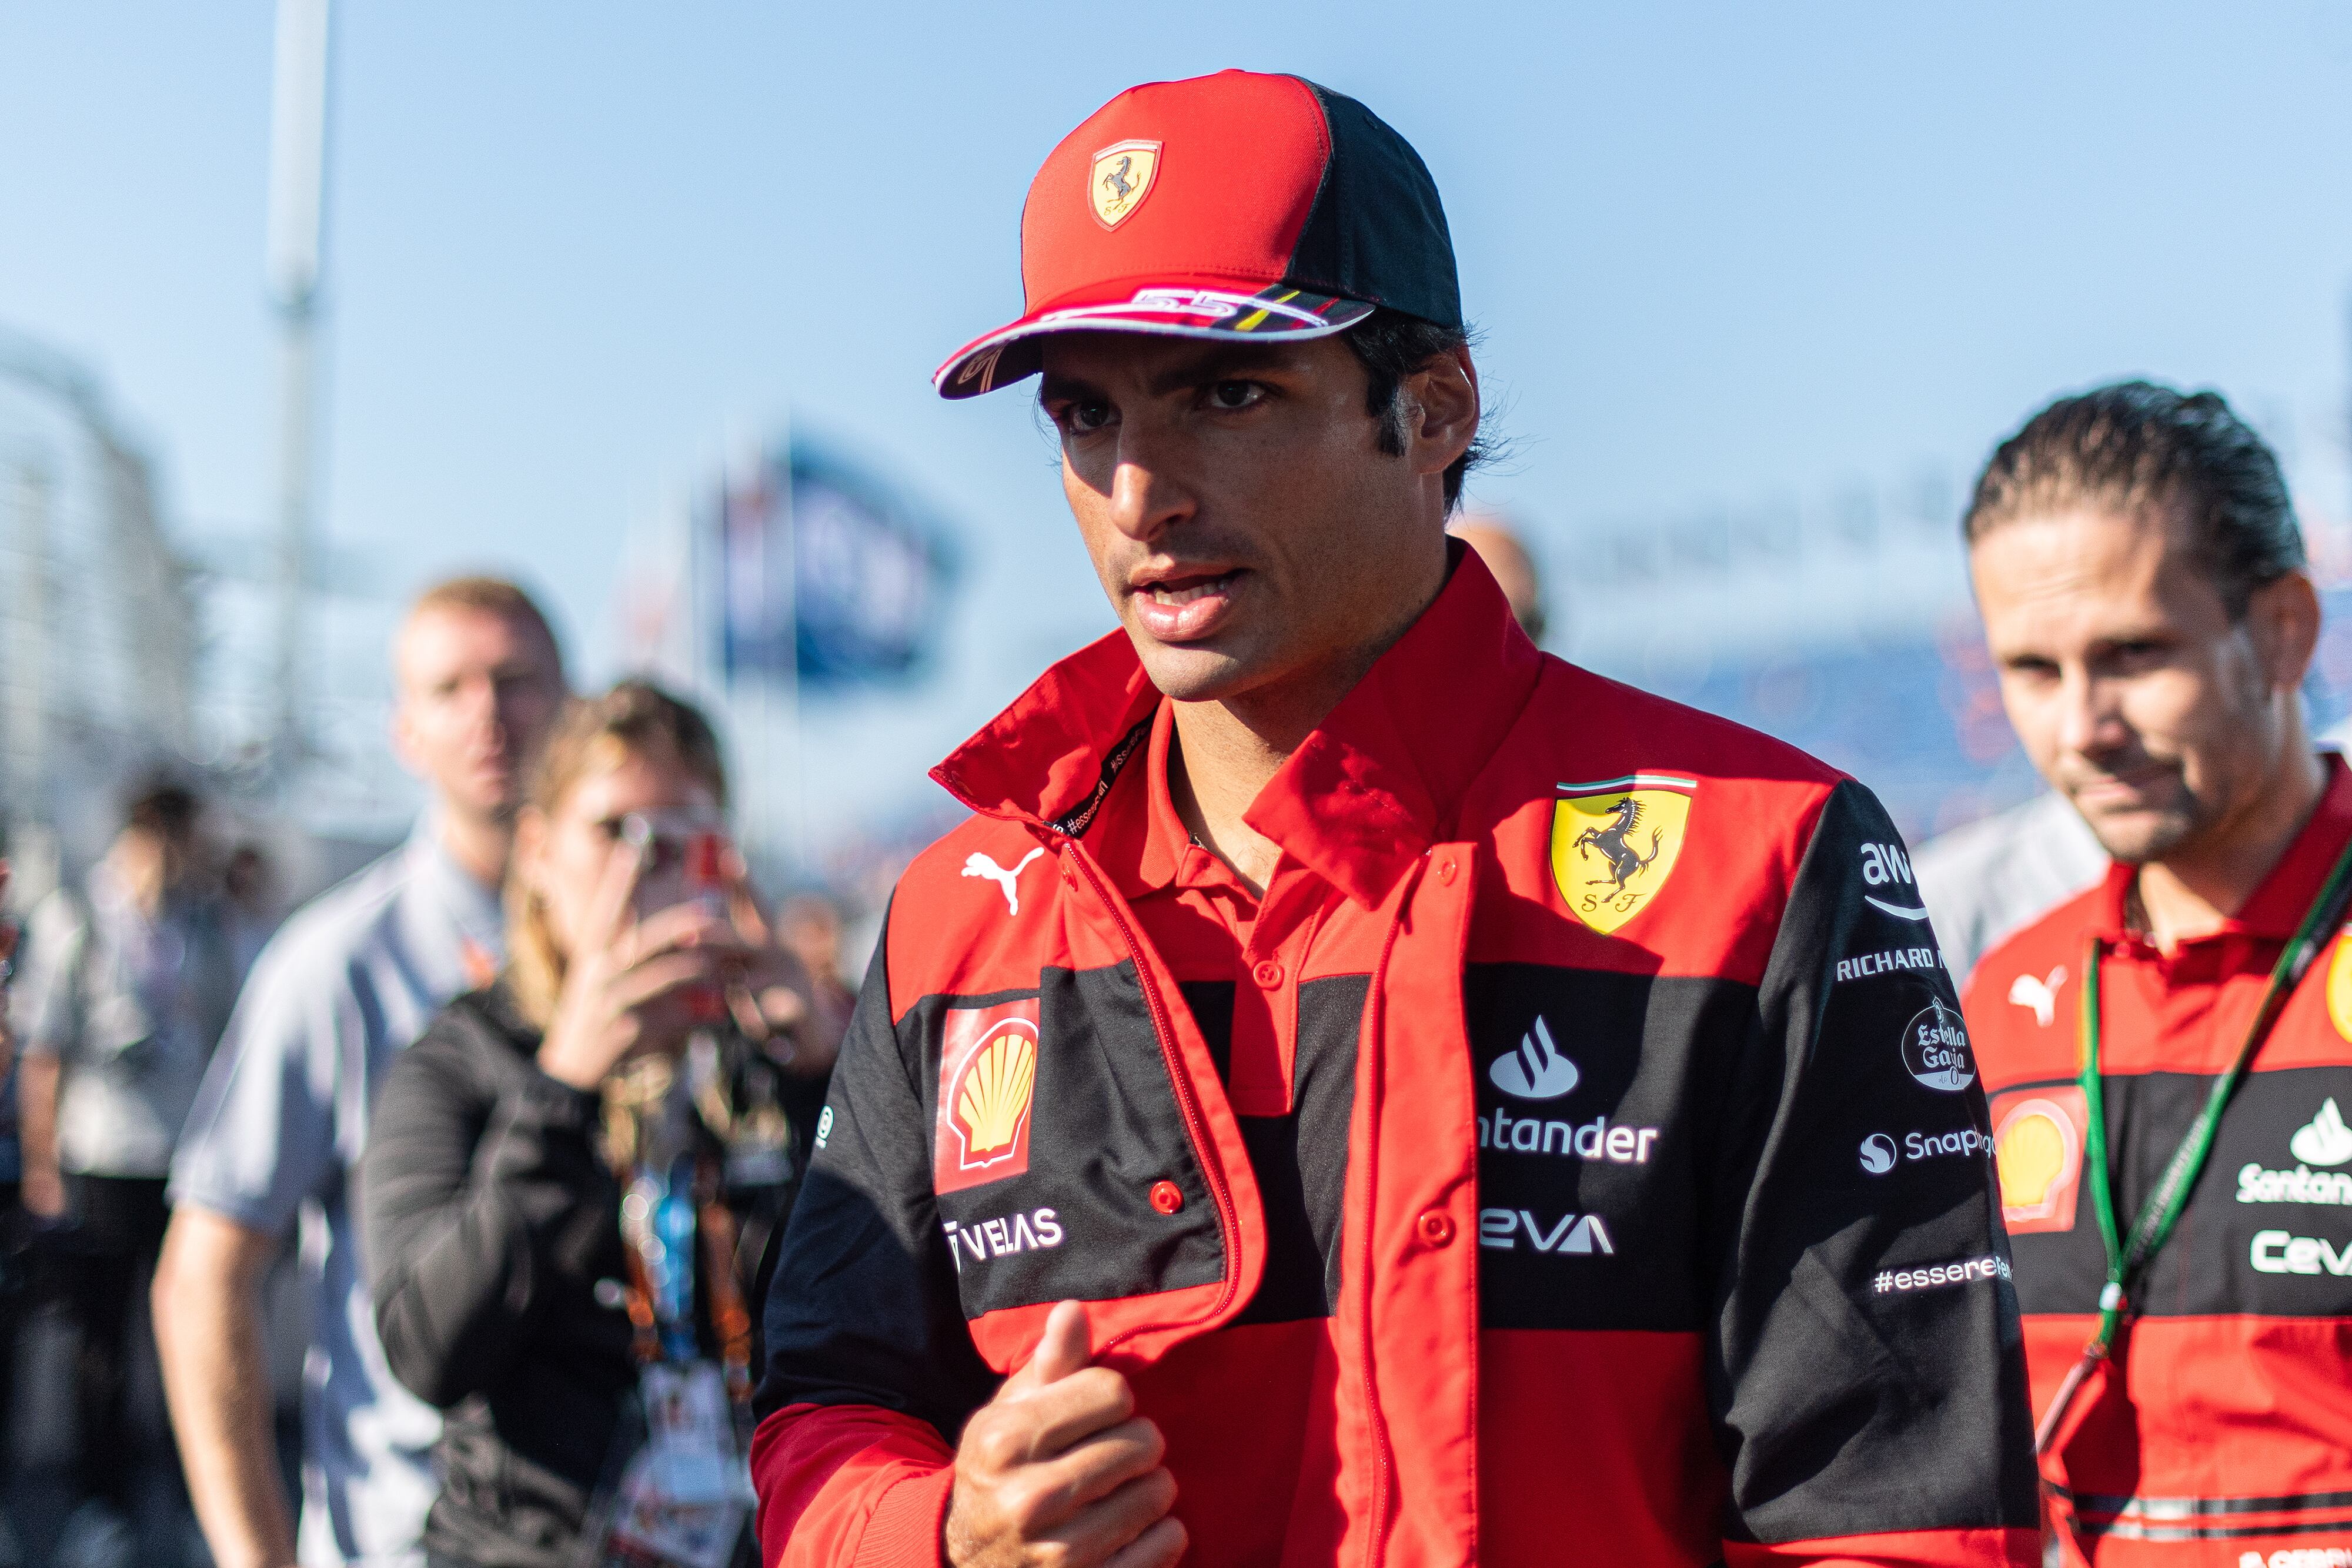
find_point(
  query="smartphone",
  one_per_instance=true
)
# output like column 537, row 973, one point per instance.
column 706, row 885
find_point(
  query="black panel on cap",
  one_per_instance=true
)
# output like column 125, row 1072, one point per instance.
column 1377, row 231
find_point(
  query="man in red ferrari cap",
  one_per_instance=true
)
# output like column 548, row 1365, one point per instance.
column 1358, row 1088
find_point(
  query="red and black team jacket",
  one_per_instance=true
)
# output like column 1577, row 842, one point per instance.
column 2225, row 1436
column 1595, row 1230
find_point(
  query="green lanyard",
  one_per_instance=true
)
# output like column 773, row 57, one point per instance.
column 2128, row 1256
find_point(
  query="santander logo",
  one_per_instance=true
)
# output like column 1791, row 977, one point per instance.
column 1537, row 1070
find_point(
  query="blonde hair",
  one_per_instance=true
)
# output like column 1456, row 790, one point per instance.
column 595, row 735
column 485, row 596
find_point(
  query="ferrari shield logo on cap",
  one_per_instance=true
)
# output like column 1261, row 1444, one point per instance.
column 1614, row 842
column 1121, row 179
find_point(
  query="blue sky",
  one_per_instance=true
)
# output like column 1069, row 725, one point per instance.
column 1718, row 253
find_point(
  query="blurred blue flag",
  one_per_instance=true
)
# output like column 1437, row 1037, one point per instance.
column 824, row 563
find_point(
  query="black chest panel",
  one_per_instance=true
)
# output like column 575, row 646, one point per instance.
column 1300, row 1160
column 1594, row 1103
column 2269, row 1231
column 1073, row 1214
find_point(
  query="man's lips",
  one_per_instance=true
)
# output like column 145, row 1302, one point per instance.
column 1183, row 606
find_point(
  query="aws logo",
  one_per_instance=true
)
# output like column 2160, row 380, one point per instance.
column 988, row 1083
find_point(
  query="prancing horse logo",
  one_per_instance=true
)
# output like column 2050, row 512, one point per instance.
column 1119, row 179
column 1629, row 832
column 1624, row 861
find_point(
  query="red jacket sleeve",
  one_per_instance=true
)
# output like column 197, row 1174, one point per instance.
column 850, row 1487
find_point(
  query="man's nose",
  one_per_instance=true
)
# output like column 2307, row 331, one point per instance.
column 2090, row 718
column 1146, row 498
column 479, row 700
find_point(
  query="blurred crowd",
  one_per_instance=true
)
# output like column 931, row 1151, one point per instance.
column 191, row 1078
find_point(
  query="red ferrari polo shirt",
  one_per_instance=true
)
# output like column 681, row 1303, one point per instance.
column 2223, row 1433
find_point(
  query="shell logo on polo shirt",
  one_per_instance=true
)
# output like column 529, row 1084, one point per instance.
column 2037, row 1139
column 1614, row 842
column 1120, row 179
column 988, row 1083
column 2339, row 985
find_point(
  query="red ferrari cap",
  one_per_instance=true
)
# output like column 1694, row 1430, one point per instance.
column 1234, row 206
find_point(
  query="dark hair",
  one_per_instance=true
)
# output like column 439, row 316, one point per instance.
column 1392, row 345
column 2134, row 447
column 165, row 808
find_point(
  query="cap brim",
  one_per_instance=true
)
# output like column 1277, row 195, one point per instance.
column 1166, row 311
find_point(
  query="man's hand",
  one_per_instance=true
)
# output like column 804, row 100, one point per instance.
column 1058, row 1469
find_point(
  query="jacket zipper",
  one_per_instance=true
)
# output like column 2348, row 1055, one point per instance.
column 1384, row 1452
column 1195, row 1124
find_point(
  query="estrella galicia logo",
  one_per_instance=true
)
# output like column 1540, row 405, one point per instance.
column 1536, row 1070
column 1878, row 1154
column 1936, row 1049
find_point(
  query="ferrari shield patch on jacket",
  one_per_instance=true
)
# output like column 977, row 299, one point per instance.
column 988, row 1076
column 1614, row 842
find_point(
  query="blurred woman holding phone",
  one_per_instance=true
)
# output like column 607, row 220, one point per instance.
column 545, row 1193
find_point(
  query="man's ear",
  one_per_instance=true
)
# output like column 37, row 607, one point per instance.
column 2283, row 617
column 1444, row 395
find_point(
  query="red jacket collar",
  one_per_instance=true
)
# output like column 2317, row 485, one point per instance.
column 1365, row 795
column 2285, row 895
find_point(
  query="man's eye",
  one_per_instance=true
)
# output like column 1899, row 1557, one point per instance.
column 1230, row 395
column 1080, row 418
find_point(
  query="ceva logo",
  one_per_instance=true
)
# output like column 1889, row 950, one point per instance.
column 1537, row 1070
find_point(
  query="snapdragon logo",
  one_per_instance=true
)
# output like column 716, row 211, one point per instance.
column 1880, row 1154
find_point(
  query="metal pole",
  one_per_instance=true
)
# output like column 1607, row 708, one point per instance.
column 791, row 841
column 298, row 146
column 27, row 687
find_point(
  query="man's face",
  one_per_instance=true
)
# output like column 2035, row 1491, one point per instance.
column 1237, row 506
column 477, row 691
column 2135, row 695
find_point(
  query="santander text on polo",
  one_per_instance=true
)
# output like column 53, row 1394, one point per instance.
column 1593, row 1140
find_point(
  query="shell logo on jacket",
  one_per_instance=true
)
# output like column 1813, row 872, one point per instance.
column 988, row 1075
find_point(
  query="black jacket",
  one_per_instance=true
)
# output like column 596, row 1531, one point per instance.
column 491, row 1224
